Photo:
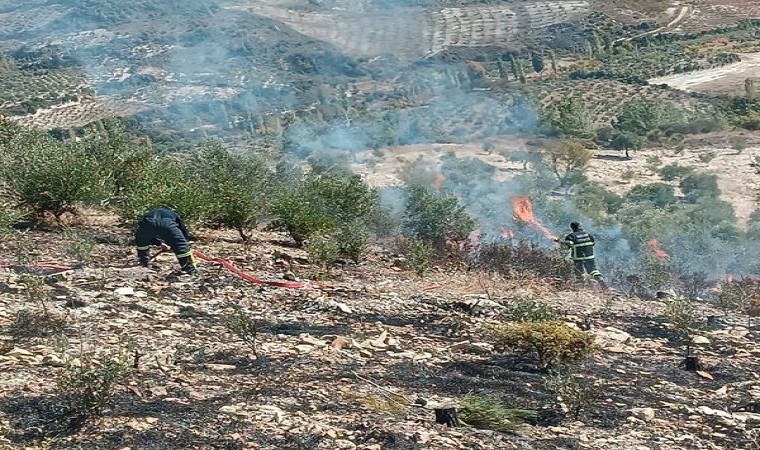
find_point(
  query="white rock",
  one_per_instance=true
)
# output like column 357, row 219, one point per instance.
column 125, row 292
column 645, row 414
column 220, row 367
column 700, row 340
column 707, row 411
column 613, row 334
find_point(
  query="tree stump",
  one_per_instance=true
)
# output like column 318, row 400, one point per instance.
column 692, row 363
column 446, row 416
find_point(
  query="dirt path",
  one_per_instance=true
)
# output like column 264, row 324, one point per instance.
column 725, row 80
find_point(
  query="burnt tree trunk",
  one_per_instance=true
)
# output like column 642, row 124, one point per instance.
column 446, row 416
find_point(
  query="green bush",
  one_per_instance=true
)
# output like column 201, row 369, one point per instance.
column 49, row 176
column 87, row 384
column 673, row 172
column 684, row 319
column 435, row 219
column 166, row 182
column 577, row 392
column 554, row 343
column 660, row 194
column 527, row 310
column 353, row 240
column 626, row 141
column 323, row 250
column 8, row 217
column 594, row 201
column 487, row 413
column 236, row 188
column 569, row 117
column 121, row 158
column 418, row 256
column 323, row 203
column 641, row 117
column 699, row 185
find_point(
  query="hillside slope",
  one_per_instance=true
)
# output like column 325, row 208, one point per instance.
column 341, row 362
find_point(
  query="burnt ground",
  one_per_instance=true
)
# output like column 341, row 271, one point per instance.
column 340, row 362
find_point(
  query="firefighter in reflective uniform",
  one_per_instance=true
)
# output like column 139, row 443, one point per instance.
column 581, row 246
column 165, row 228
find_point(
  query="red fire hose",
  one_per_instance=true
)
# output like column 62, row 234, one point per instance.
column 240, row 273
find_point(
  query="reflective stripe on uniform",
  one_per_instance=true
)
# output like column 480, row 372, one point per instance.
column 184, row 255
column 585, row 244
column 582, row 258
column 142, row 249
column 595, row 273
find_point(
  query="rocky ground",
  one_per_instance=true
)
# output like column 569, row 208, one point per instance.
column 344, row 362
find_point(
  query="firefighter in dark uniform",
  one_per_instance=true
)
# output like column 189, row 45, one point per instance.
column 164, row 227
column 581, row 246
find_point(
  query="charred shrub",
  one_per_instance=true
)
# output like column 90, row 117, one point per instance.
column 435, row 219
column 553, row 343
column 31, row 323
column 523, row 256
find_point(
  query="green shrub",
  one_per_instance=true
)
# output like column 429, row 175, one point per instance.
column 554, row 343
column 660, row 194
column 50, row 176
column 323, row 203
column 684, row 319
column 8, row 217
column 487, row 413
column 699, row 185
column 353, row 240
column 167, row 182
column 322, row 249
column 236, row 188
column 120, row 157
column 641, row 117
column 527, row 310
column 418, row 256
column 245, row 327
column 706, row 157
column 594, row 200
column 732, row 297
column 86, row 384
column 673, row 172
column 78, row 245
column 569, row 117
column 434, row 219
column 576, row 392
column 626, row 141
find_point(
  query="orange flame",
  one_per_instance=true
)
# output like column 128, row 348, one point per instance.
column 508, row 234
column 522, row 209
column 657, row 250
column 438, row 182
column 729, row 278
